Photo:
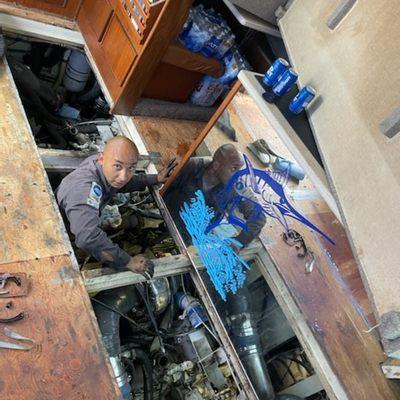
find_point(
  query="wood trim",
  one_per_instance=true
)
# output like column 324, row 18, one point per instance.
column 41, row 30
column 106, row 278
column 154, row 12
column 37, row 15
column 196, row 143
column 166, row 28
column 68, row 9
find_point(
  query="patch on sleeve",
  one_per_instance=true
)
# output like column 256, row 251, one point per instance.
column 95, row 195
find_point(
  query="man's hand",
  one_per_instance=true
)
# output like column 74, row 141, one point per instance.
column 164, row 174
column 141, row 265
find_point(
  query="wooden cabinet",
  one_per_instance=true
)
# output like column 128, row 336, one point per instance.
column 65, row 8
column 127, row 46
column 120, row 57
column 109, row 43
column 97, row 17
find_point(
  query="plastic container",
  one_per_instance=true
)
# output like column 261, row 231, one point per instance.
column 192, row 307
column 290, row 168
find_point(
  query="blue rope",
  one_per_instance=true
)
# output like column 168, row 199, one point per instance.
column 224, row 266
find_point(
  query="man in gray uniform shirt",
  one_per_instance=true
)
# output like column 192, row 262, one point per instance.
column 83, row 193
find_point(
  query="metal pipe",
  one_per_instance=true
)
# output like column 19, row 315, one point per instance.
column 247, row 342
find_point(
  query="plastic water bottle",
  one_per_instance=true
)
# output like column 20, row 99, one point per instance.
column 207, row 91
column 290, row 168
column 228, row 39
column 210, row 89
column 214, row 41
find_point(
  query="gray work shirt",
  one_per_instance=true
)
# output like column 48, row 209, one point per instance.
column 81, row 195
column 183, row 189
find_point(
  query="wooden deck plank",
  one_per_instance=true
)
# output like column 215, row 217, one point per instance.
column 37, row 15
column 107, row 278
column 171, row 138
column 30, row 225
column 69, row 360
column 332, row 314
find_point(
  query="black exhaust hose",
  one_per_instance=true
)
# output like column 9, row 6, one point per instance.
column 122, row 299
column 148, row 373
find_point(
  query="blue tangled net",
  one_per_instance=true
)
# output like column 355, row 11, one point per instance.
column 225, row 268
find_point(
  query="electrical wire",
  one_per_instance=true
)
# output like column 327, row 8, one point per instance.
column 139, row 288
column 141, row 201
column 183, row 284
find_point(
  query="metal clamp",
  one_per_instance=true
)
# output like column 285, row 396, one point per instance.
column 5, row 278
column 293, row 238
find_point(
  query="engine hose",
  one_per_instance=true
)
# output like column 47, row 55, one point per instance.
column 147, row 373
column 93, row 92
column 132, row 321
column 108, row 307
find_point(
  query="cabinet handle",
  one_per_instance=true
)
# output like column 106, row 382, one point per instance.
column 340, row 12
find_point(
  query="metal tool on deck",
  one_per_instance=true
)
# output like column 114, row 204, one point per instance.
column 8, row 278
column 30, row 344
column 16, row 318
column 13, row 284
column 293, row 238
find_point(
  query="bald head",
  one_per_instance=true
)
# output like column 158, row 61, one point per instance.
column 226, row 152
column 119, row 160
column 118, row 143
column 226, row 161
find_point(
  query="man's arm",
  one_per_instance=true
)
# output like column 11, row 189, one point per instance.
column 141, row 181
column 84, row 221
column 255, row 220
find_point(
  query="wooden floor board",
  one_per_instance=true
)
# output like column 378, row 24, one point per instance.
column 170, row 137
column 29, row 222
column 69, row 359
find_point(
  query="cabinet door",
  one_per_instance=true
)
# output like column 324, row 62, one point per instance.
column 65, row 8
column 97, row 16
column 118, row 49
column 108, row 42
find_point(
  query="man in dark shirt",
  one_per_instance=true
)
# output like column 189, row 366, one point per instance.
column 82, row 194
column 210, row 176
